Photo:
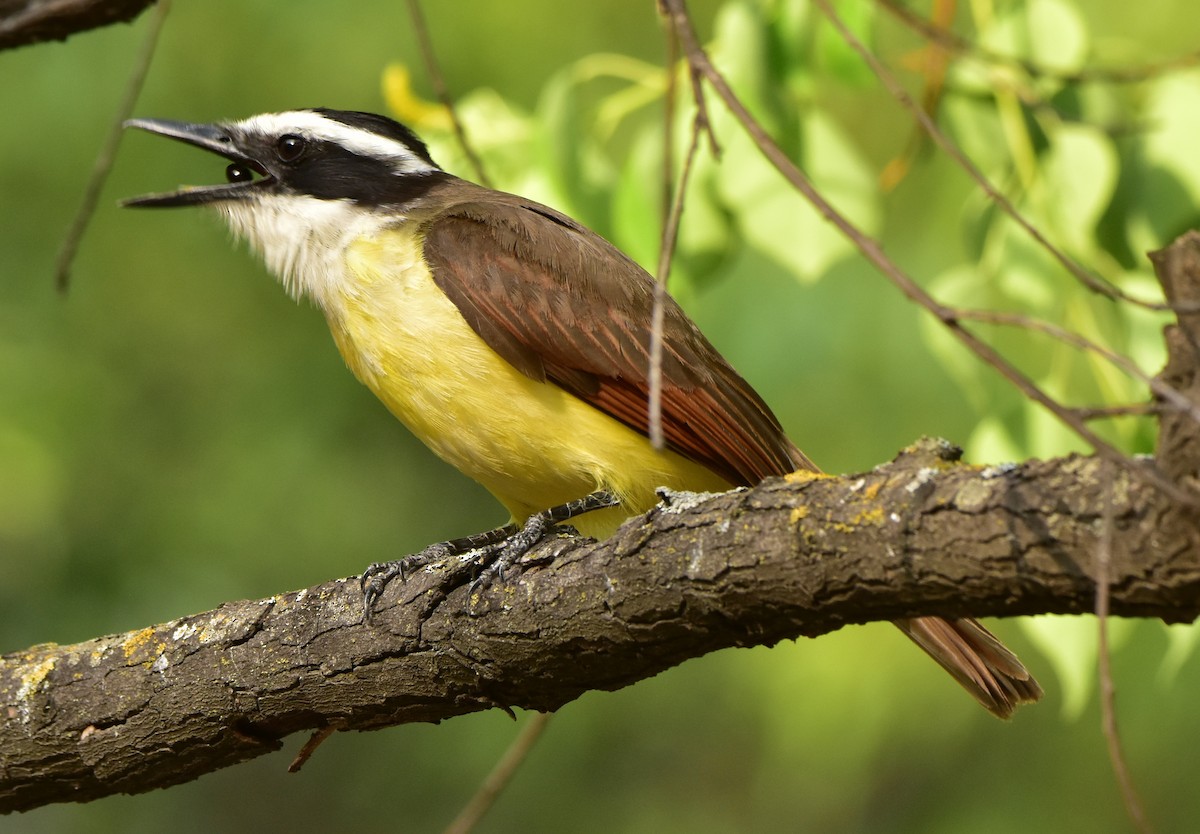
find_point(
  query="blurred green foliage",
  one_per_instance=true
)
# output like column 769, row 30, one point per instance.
column 176, row 432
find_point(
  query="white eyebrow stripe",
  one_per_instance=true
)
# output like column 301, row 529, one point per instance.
column 356, row 140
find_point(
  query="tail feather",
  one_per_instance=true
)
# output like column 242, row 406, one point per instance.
column 980, row 663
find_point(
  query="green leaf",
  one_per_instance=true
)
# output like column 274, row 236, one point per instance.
column 778, row 220
column 739, row 50
column 974, row 125
column 1164, row 201
column 1049, row 33
column 836, row 55
column 992, row 443
column 1047, row 435
column 1182, row 640
column 1080, row 176
column 956, row 286
column 577, row 170
column 1057, row 35
column 637, row 215
column 1072, row 645
column 501, row 134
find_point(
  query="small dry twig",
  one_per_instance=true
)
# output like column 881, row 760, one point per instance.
column 500, row 776
column 666, row 254
column 1173, row 398
column 310, row 746
column 108, row 151
column 1108, row 713
column 1106, row 412
column 442, row 90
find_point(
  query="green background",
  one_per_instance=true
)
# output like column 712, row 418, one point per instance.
column 176, row 432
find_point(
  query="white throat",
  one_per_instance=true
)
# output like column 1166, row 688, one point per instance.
column 303, row 240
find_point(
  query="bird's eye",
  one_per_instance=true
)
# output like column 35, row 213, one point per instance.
column 289, row 146
column 238, row 173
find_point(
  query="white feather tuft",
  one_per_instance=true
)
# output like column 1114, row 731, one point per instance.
column 303, row 240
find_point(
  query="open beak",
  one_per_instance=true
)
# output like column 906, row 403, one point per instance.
column 240, row 172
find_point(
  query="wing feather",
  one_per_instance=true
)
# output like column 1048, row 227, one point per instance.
column 562, row 305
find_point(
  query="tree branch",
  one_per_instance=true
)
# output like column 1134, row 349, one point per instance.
column 24, row 22
column 796, row 556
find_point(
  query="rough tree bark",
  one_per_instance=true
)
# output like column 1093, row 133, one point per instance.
column 805, row 555
column 802, row 555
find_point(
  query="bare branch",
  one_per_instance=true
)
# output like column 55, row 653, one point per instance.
column 807, row 555
column 24, row 22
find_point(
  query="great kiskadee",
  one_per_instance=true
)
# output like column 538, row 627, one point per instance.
column 509, row 338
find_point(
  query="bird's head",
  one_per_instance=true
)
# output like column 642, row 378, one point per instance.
column 303, row 184
column 320, row 153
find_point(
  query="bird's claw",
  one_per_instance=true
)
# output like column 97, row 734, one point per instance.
column 494, row 552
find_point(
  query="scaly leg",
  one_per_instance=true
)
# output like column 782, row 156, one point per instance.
column 497, row 550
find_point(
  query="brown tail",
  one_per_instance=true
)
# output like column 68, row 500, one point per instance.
column 977, row 660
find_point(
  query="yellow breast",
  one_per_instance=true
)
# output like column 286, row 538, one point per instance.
column 530, row 443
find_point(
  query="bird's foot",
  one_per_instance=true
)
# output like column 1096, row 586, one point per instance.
column 492, row 552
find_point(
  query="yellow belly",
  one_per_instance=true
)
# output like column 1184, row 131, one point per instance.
column 531, row 444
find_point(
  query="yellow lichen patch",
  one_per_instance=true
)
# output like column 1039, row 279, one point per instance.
column 872, row 490
column 136, row 640
column 803, row 476
column 144, row 644
column 31, row 677
column 797, row 515
column 870, row 515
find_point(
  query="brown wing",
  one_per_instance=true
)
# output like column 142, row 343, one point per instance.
column 563, row 305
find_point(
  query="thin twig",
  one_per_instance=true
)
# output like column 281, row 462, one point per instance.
column 666, row 254
column 500, row 776
column 1106, row 412
column 673, row 209
column 654, row 372
column 1171, row 396
column 871, row 249
column 1108, row 714
column 442, row 90
column 668, row 144
column 1093, row 282
column 314, row 741
column 108, row 151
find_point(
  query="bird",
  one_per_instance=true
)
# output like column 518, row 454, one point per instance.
column 510, row 339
